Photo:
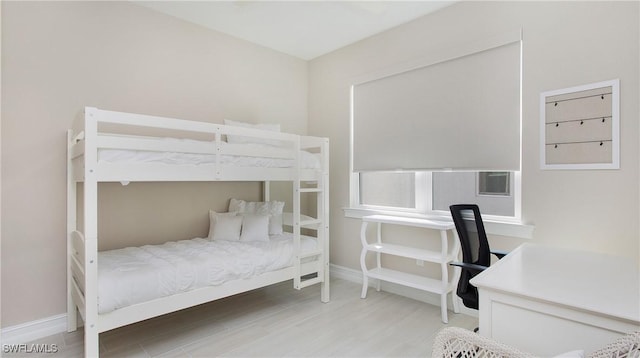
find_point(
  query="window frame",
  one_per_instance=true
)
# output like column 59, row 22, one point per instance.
column 510, row 226
column 421, row 182
column 423, row 192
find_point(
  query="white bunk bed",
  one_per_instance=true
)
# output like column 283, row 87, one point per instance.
column 107, row 146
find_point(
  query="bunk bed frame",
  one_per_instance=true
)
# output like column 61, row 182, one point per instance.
column 94, row 131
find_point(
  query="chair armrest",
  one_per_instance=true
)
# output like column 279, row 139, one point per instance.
column 499, row 253
column 471, row 267
column 452, row 342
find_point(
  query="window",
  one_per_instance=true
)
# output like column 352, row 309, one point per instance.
column 486, row 189
column 494, row 183
column 388, row 189
column 431, row 193
column 427, row 135
column 460, row 112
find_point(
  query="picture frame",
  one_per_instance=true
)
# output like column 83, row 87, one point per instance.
column 580, row 127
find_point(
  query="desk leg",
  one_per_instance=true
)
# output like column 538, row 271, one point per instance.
column 363, row 256
column 443, row 307
column 365, row 284
column 454, row 301
column 456, row 272
column 445, row 275
column 365, row 278
column 378, row 256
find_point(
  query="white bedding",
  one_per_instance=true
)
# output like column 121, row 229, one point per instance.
column 307, row 160
column 138, row 274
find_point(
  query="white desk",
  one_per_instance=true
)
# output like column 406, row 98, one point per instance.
column 547, row 300
column 441, row 286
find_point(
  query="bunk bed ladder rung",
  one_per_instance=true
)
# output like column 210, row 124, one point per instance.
column 311, row 282
column 310, row 190
column 310, row 223
column 310, row 254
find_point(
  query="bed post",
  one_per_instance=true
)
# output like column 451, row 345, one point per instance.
column 91, row 324
column 72, row 312
column 266, row 191
column 296, row 216
column 323, row 210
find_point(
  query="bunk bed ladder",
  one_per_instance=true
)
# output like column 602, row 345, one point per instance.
column 299, row 223
column 319, row 187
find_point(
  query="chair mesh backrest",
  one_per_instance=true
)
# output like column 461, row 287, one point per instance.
column 473, row 238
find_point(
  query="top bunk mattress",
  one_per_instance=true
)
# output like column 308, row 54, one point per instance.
column 139, row 274
column 307, row 160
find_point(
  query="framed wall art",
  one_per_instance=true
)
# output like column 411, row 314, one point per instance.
column 580, row 127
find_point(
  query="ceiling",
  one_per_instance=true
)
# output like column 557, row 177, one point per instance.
column 304, row 29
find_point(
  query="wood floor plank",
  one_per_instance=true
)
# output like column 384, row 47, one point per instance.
column 279, row 321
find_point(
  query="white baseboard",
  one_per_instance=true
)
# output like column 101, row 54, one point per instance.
column 352, row 275
column 34, row 330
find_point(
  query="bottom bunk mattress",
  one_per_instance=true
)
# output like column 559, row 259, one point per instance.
column 138, row 274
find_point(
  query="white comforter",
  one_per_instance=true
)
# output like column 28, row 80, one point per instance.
column 137, row 274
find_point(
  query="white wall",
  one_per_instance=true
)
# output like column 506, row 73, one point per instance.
column 565, row 44
column 58, row 57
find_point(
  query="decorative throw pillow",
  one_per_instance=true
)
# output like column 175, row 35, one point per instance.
column 237, row 205
column 224, row 226
column 271, row 208
column 238, row 139
column 255, row 227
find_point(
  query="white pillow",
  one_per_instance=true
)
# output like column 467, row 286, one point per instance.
column 271, row 208
column 224, row 226
column 255, row 228
column 237, row 139
column 237, row 205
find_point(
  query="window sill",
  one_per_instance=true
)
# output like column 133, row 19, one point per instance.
column 493, row 227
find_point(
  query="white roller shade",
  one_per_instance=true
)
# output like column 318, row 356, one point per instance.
column 462, row 113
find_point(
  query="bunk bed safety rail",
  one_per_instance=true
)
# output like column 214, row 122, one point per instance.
column 128, row 147
column 122, row 120
column 319, row 145
column 117, row 130
column 153, row 144
column 307, row 142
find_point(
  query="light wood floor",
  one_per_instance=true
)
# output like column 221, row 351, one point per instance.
column 278, row 321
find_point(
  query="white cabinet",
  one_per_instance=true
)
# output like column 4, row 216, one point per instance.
column 442, row 285
column 547, row 300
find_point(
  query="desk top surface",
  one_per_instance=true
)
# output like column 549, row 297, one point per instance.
column 416, row 222
column 399, row 220
column 600, row 283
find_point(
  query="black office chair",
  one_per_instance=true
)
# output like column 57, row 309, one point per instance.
column 476, row 255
